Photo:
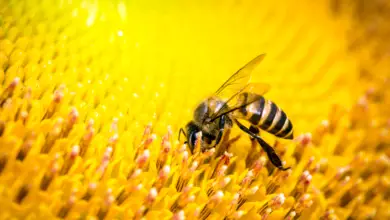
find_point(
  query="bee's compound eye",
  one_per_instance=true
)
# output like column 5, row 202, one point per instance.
column 191, row 140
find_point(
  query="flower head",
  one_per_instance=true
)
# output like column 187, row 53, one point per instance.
column 93, row 95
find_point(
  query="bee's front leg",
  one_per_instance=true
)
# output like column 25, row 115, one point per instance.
column 221, row 129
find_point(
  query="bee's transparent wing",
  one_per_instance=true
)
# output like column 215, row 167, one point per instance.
column 239, row 79
column 238, row 83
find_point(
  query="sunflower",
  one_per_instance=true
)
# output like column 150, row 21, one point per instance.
column 93, row 94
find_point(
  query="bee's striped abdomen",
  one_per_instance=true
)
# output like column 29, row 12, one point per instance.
column 275, row 121
column 266, row 115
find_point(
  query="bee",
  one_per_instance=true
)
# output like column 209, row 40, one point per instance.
column 214, row 115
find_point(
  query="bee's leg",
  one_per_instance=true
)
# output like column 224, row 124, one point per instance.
column 271, row 154
column 255, row 131
column 221, row 128
column 275, row 160
column 182, row 131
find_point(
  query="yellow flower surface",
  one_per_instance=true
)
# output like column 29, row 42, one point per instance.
column 93, row 94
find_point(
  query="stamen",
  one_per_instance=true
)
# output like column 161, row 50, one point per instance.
column 162, row 177
column 101, row 169
column 142, row 160
column 127, row 192
column 72, row 119
column 223, row 161
column 50, row 173
column 22, row 193
column 26, row 146
column 2, row 127
column 140, row 213
column 53, row 135
column 184, row 199
column 3, row 161
column 64, row 211
column 164, row 153
column 107, row 202
column 90, row 191
column 9, row 91
column 70, row 159
column 275, row 182
column 179, row 215
column 215, row 200
column 57, row 98
column 185, row 175
column 301, row 204
column 302, row 184
column 87, row 138
column 274, row 204
column 303, row 141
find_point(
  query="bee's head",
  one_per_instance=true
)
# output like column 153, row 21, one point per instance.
column 192, row 135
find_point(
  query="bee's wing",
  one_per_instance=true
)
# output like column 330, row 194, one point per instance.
column 238, row 83
column 257, row 88
column 239, row 79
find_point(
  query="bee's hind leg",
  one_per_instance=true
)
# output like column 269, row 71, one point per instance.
column 274, row 158
column 271, row 154
column 255, row 131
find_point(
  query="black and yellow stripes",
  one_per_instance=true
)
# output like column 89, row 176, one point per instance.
column 266, row 115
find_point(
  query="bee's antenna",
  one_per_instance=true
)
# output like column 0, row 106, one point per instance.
column 182, row 131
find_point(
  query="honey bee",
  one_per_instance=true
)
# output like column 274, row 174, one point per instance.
column 214, row 115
